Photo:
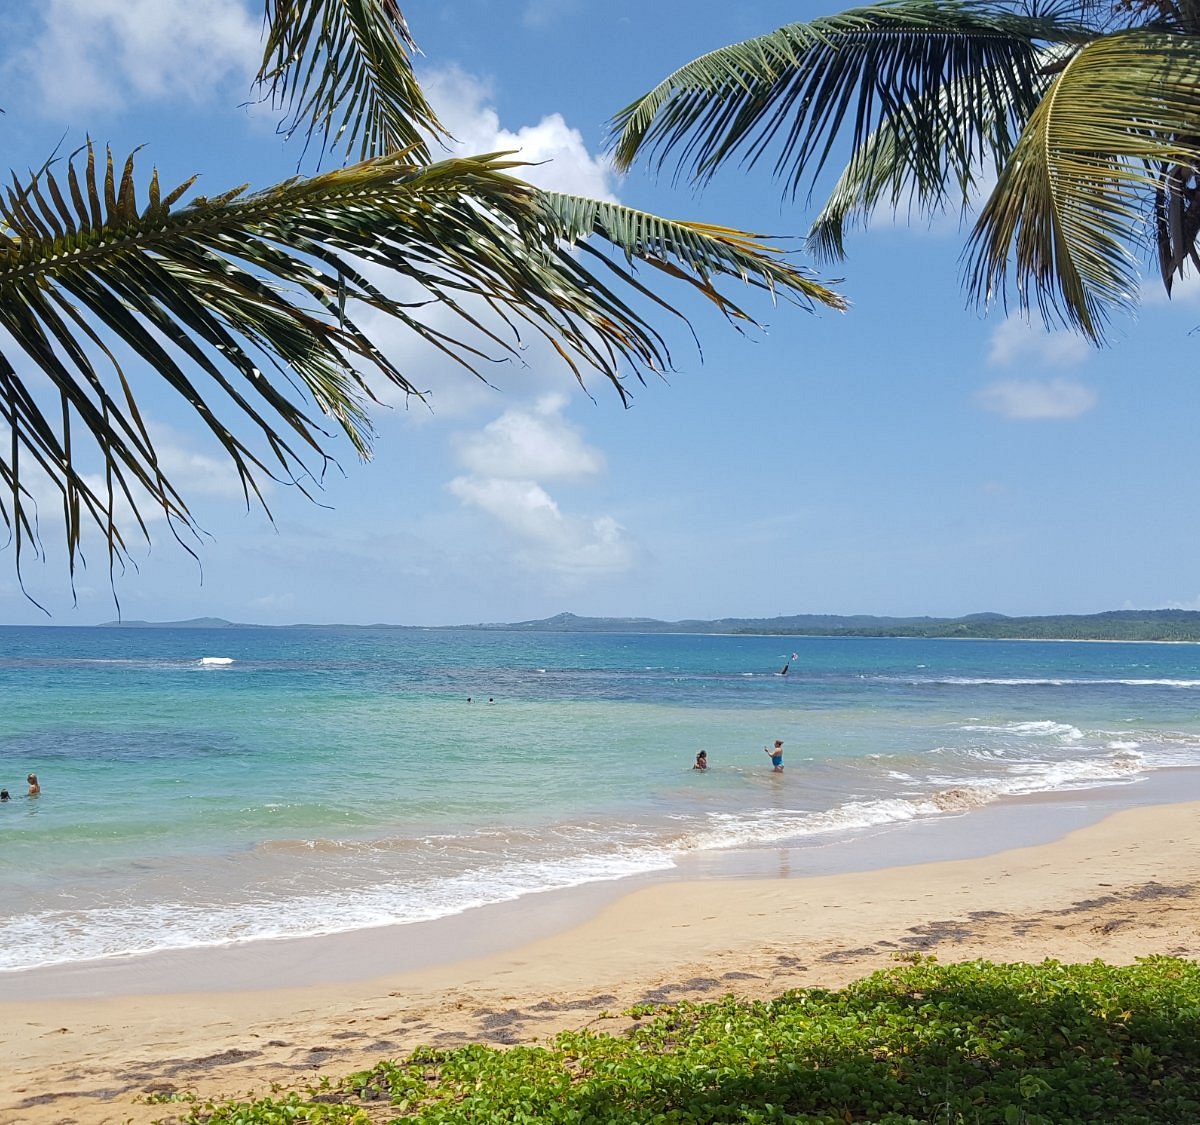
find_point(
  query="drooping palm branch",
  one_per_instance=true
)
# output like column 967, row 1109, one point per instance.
column 942, row 75
column 1110, row 154
column 343, row 69
column 216, row 294
column 1086, row 117
column 695, row 253
column 927, row 171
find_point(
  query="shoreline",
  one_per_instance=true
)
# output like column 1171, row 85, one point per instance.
column 356, row 955
column 1122, row 882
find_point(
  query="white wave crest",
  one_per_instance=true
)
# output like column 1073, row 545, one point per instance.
column 1037, row 728
column 56, row 937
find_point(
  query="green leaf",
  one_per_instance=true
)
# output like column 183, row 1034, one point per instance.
column 1113, row 143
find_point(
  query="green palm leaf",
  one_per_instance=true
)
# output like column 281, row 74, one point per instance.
column 931, row 167
column 941, row 74
column 1117, row 134
column 343, row 70
column 212, row 295
column 697, row 253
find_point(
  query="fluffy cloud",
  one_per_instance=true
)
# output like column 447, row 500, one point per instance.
column 98, row 53
column 1032, row 400
column 508, row 462
column 546, row 538
column 505, row 462
column 195, row 473
column 530, row 444
column 1018, row 341
column 557, row 154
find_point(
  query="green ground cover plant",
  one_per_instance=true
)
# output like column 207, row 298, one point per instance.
column 971, row 1044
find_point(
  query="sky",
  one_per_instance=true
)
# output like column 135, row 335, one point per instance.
column 911, row 456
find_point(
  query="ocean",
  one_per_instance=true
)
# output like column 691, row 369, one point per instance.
column 205, row 787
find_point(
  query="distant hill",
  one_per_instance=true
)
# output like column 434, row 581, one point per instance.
column 1114, row 625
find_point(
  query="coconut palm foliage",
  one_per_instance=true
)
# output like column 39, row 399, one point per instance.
column 345, row 72
column 252, row 305
column 1081, row 123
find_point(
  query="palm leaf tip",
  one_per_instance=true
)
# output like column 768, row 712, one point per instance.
column 1094, row 168
column 343, row 71
column 697, row 253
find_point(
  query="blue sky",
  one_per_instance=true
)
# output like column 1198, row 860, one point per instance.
column 910, row 456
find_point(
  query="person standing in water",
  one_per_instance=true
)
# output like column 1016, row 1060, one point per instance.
column 701, row 761
column 34, row 787
column 776, row 753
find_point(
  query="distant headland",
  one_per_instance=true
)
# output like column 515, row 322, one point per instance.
column 1113, row 625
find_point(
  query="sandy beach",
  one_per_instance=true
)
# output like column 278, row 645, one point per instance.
column 1118, row 889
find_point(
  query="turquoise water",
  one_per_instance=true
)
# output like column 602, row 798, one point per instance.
column 208, row 786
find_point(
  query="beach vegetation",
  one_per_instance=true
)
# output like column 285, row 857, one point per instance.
column 260, row 309
column 1072, row 129
column 923, row 1042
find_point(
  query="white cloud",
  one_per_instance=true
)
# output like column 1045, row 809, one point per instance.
column 1018, row 341
column 102, row 53
column 530, row 444
column 1033, row 400
column 195, row 473
column 559, row 158
column 509, row 460
column 547, row 539
column 505, row 462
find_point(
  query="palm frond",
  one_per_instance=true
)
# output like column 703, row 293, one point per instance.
column 698, row 253
column 343, row 70
column 932, row 170
column 210, row 294
column 1120, row 122
column 936, row 71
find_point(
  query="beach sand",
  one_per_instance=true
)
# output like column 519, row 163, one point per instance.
column 1119, row 889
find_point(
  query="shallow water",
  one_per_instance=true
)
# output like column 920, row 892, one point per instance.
column 208, row 786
